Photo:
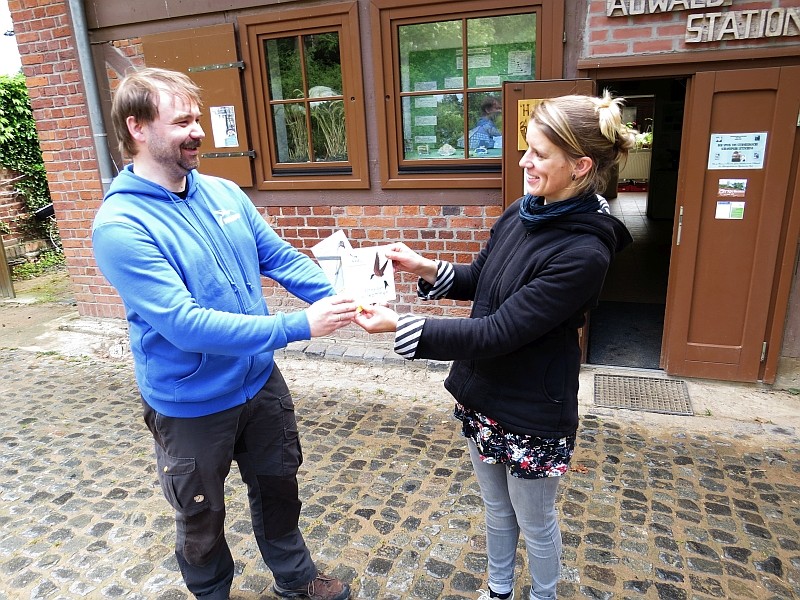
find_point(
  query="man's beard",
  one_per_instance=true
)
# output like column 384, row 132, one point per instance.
column 172, row 157
column 192, row 162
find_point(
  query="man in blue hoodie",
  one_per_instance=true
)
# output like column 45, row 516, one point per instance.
column 186, row 253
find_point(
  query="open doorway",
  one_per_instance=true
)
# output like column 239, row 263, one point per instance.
column 626, row 328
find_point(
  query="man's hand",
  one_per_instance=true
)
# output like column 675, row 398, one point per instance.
column 329, row 314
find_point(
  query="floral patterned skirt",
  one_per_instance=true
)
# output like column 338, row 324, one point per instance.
column 527, row 456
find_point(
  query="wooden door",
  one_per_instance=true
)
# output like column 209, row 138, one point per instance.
column 734, row 213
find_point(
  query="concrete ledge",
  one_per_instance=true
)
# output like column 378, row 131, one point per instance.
column 105, row 327
column 109, row 338
column 357, row 352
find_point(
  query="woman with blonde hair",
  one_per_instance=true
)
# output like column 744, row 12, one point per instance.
column 516, row 359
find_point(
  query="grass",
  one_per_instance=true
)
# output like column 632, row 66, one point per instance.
column 46, row 262
column 46, row 280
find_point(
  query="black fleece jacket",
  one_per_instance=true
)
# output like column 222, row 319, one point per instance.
column 517, row 358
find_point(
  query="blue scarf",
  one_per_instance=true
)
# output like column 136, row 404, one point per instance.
column 534, row 213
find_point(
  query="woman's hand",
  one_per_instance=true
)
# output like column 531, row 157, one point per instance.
column 376, row 319
column 405, row 259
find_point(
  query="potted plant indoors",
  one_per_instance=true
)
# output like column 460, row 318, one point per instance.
column 637, row 166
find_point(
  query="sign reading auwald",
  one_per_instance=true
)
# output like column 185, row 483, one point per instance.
column 716, row 25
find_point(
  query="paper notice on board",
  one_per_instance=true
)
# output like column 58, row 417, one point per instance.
column 737, row 150
column 520, row 63
column 729, row 210
column 223, row 127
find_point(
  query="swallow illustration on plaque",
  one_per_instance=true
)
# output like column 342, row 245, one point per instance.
column 378, row 270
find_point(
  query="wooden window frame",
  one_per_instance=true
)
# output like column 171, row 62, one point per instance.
column 253, row 30
column 386, row 18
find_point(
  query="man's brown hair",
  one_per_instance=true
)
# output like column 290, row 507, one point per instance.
column 138, row 96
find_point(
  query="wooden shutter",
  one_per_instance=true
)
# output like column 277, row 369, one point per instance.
column 208, row 55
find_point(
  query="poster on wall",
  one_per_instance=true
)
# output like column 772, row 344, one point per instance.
column 737, row 150
column 223, row 127
column 524, row 111
column 732, row 188
column 729, row 210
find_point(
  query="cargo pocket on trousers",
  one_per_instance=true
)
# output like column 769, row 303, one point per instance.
column 292, row 451
column 179, row 483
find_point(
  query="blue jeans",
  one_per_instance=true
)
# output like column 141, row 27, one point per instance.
column 513, row 504
column 194, row 458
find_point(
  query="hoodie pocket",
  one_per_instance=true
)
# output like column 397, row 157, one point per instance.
column 217, row 375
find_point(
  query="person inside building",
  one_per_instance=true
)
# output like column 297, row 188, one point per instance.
column 485, row 134
column 517, row 358
column 186, row 252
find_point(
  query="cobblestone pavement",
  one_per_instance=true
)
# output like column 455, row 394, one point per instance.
column 677, row 511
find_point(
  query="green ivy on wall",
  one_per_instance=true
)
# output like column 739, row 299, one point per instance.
column 19, row 145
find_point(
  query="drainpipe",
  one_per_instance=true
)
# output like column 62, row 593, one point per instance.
column 106, row 165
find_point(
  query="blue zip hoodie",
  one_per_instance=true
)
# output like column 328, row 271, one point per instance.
column 189, row 274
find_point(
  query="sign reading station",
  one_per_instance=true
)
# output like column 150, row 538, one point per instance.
column 716, row 26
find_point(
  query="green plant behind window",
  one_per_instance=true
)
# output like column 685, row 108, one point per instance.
column 643, row 139
column 305, row 83
column 328, row 119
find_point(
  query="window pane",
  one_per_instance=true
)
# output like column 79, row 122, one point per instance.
column 324, row 72
column 323, row 63
column 433, row 126
column 500, row 49
column 283, row 70
column 328, row 131
column 486, row 125
column 306, row 97
column 319, row 75
column 428, row 56
column 291, row 133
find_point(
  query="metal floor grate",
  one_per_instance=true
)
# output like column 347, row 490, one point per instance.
column 651, row 394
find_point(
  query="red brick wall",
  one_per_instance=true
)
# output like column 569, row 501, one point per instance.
column 665, row 32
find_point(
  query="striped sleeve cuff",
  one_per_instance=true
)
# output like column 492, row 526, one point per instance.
column 444, row 281
column 409, row 329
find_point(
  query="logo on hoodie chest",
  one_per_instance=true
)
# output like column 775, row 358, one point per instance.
column 225, row 216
